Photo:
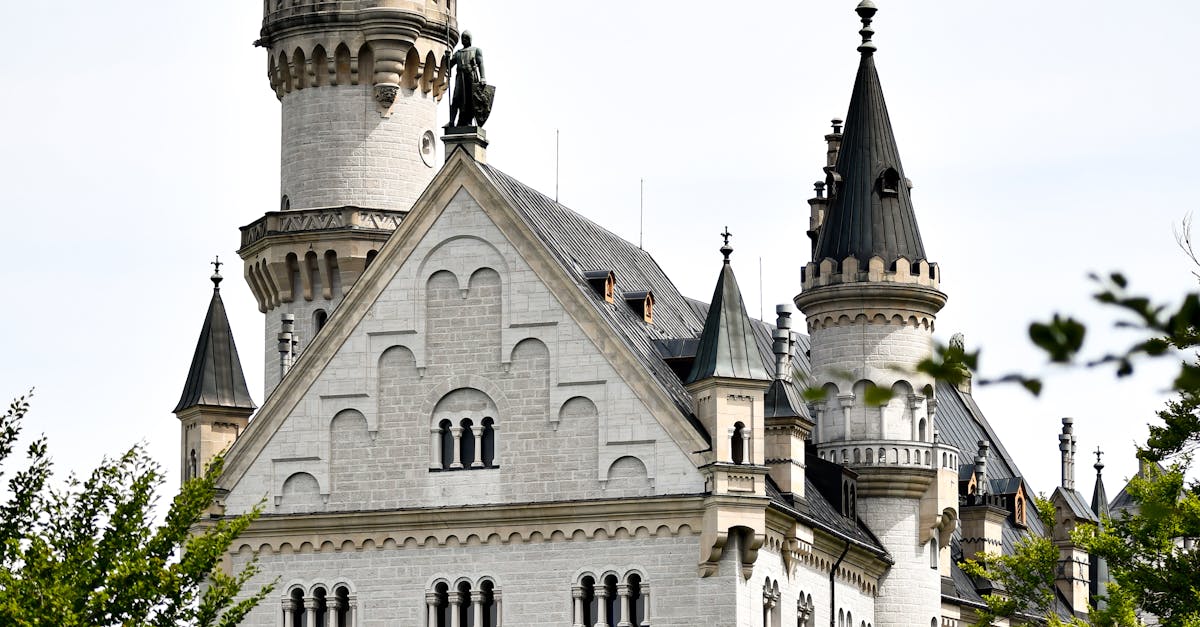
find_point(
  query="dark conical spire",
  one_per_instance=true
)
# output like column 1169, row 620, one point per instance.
column 1098, row 566
column 870, row 212
column 215, row 378
column 727, row 345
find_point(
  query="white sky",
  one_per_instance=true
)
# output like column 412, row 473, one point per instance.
column 1045, row 140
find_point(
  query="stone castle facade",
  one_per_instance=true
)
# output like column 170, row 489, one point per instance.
column 483, row 409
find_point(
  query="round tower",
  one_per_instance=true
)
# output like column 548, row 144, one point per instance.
column 870, row 298
column 359, row 82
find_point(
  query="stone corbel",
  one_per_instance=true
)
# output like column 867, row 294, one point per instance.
column 712, row 545
column 750, row 543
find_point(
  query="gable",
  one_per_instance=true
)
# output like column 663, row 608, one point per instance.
column 459, row 319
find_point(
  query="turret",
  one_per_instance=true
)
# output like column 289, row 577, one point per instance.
column 215, row 406
column 870, row 297
column 1098, row 566
column 727, row 382
column 1073, row 577
column 359, row 84
column 786, row 426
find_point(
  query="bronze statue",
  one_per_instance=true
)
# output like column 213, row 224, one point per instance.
column 471, row 99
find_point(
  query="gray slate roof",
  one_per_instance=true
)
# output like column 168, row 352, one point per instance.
column 863, row 221
column 727, row 344
column 215, row 378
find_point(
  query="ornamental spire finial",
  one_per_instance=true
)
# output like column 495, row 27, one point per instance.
column 866, row 10
column 216, row 277
column 726, row 249
column 1099, row 465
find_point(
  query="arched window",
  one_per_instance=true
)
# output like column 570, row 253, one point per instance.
column 637, row 601
column 737, row 444
column 293, row 612
column 447, row 443
column 467, row 444
column 461, row 604
column 285, row 203
column 193, row 465
column 487, row 447
column 490, row 609
column 342, row 606
column 889, row 182
column 319, row 320
column 439, row 604
column 612, row 602
column 322, row 613
column 921, row 430
column 371, row 255
column 841, row 618
column 772, row 611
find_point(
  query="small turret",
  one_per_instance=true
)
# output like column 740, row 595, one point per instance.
column 359, row 85
column 1098, row 565
column 1070, row 509
column 728, row 382
column 786, row 426
column 215, row 406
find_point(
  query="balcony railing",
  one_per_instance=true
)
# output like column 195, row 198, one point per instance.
column 903, row 454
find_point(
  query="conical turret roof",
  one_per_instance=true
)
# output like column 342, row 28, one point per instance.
column 871, row 212
column 727, row 345
column 215, row 378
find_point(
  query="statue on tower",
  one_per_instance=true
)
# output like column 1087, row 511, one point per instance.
column 471, row 99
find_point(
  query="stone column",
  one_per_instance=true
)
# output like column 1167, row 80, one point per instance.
column 601, row 605
column 623, row 592
column 431, row 607
column 435, row 444
column 577, row 595
column 847, row 401
column 477, row 606
column 455, row 602
column 914, row 403
column 288, row 610
column 310, row 612
column 645, row 605
column 335, row 618
column 477, row 431
column 456, row 431
column 747, row 458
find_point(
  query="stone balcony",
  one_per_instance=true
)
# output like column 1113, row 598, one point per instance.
column 296, row 222
column 858, row 454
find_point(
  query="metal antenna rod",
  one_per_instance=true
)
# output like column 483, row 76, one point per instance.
column 760, row 291
column 642, row 212
column 555, row 165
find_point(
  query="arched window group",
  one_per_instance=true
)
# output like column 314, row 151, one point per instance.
column 846, row 619
column 463, row 604
column 320, row 606
column 465, row 443
column 609, row 600
column 806, row 612
column 772, row 609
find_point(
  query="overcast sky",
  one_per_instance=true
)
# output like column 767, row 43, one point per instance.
column 1046, row 140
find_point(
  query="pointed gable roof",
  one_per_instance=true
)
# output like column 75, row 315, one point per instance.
column 727, row 344
column 215, row 378
column 871, row 212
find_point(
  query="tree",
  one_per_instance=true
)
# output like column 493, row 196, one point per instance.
column 90, row 553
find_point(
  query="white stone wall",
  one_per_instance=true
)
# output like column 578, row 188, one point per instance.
column 466, row 310
column 910, row 592
column 534, row 579
column 338, row 150
column 853, row 351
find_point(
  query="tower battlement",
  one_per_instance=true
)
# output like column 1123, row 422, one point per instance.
column 830, row 272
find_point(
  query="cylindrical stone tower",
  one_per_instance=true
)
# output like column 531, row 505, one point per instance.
column 870, row 297
column 359, row 82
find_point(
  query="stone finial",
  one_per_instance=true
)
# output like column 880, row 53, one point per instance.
column 866, row 11
column 837, row 124
column 216, row 276
column 726, row 249
column 1099, row 465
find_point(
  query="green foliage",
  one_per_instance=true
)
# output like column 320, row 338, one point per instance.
column 89, row 553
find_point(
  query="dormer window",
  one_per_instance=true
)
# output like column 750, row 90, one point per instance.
column 603, row 282
column 642, row 303
column 1020, row 511
column 889, row 182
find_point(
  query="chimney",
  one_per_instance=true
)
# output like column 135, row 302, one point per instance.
column 1066, row 447
column 286, row 343
column 782, row 345
column 982, row 517
column 981, row 484
column 834, row 142
column 817, row 205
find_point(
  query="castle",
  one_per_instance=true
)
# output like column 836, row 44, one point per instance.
column 484, row 409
